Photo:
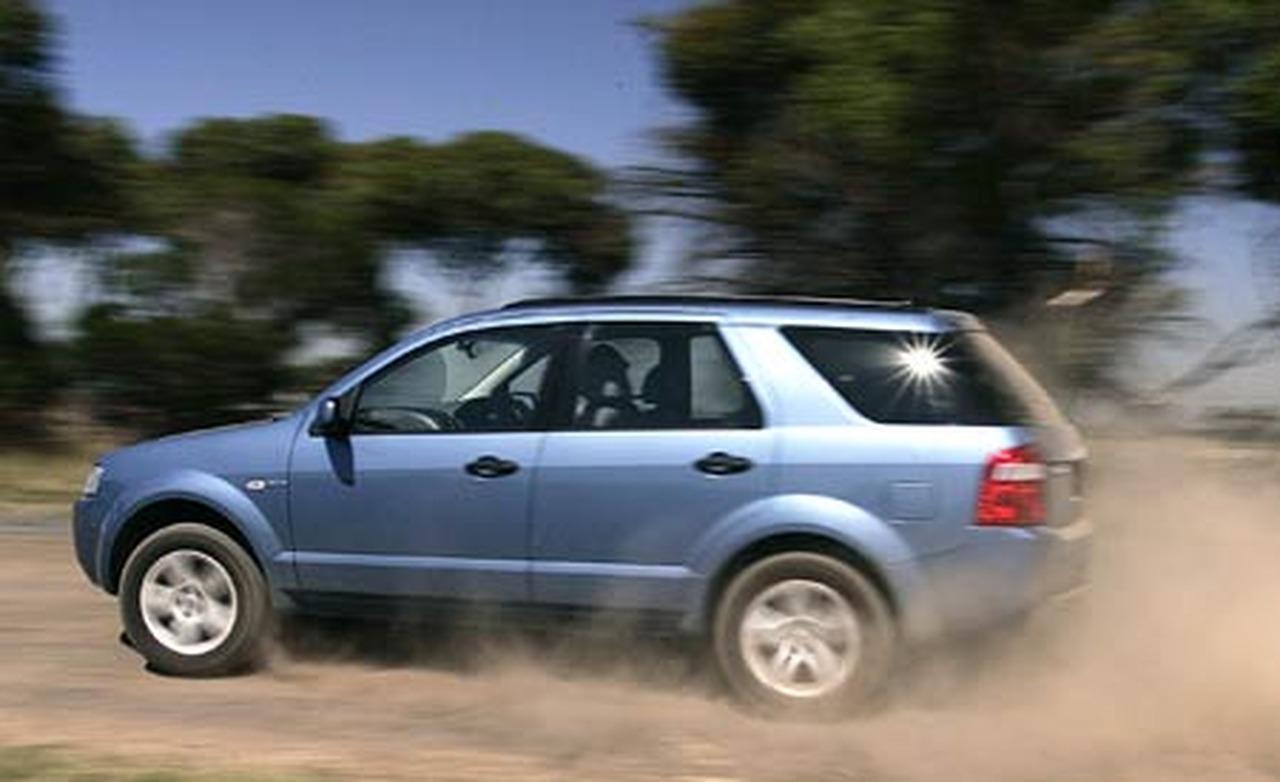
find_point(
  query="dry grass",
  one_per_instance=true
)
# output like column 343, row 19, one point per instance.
column 51, row 764
column 42, row 481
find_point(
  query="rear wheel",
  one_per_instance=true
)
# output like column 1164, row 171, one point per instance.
column 194, row 603
column 803, row 633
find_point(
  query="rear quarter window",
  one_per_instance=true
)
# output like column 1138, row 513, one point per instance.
column 893, row 377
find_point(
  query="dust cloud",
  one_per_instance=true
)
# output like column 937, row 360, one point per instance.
column 1168, row 668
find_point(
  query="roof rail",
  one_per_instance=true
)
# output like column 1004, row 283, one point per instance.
column 694, row 299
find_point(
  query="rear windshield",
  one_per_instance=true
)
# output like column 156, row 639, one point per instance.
column 894, row 377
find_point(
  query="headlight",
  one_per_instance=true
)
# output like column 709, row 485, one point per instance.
column 92, row 482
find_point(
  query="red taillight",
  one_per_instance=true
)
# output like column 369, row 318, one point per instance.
column 1012, row 493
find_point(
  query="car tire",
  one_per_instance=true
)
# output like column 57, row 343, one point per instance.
column 803, row 634
column 194, row 603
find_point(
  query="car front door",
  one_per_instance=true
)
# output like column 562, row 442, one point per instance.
column 659, row 437
column 428, row 494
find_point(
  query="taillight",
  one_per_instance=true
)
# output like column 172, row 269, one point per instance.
column 1012, row 493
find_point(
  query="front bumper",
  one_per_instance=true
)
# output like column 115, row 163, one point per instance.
column 86, row 531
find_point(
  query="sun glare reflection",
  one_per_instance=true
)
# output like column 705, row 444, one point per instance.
column 921, row 363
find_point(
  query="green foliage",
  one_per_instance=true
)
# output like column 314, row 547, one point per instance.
column 166, row 373
column 264, row 227
column 481, row 197
column 902, row 147
column 25, row 371
column 276, row 218
column 927, row 148
column 60, row 179
column 60, row 174
column 246, row 210
column 31, row 124
column 285, row 148
column 1254, row 91
column 260, row 228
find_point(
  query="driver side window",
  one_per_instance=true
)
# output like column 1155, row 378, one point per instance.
column 493, row 381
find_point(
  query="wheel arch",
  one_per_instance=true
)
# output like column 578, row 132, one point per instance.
column 787, row 542
column 154, row 516
column 802, row 522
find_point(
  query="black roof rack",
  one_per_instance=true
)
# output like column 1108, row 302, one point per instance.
column 695, row 299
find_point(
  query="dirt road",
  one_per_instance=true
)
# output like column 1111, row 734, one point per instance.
column 1170, row 672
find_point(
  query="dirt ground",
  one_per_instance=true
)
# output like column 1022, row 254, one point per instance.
column 1169, row 670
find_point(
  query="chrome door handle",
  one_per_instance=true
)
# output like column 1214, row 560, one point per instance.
column 491, row 467
column 721, row 463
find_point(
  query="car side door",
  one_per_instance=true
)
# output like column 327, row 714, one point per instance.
column 427, row 495
column 660, row 436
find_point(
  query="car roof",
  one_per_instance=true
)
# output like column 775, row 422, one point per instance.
column 702, row 299
column 772, row 310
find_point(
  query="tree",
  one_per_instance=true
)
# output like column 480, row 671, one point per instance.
column 60, row 179
column 247, row 205
column 245, row 246
column 57, row 171
column 169, row 372
column 274, row 219
column 895, row 147
column 963, row 151
column 482, row 198
column 260, row 228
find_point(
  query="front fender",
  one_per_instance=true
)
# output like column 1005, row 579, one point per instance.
column 209, row 490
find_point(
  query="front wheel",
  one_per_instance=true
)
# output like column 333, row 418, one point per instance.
column 803, row 634
column 194, row 603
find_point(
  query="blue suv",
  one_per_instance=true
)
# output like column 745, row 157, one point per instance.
column 807, row 484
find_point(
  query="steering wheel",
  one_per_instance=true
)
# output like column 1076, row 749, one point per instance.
column 527, row 400
column 406, row 419
column 499, row 411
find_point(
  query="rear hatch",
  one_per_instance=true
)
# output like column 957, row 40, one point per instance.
column 964, row 397
column 1014, row 397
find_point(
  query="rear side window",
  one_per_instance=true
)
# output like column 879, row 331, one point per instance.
column 659, row 376
column 961, row 377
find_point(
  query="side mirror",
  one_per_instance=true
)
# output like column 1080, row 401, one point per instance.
column 330, row 420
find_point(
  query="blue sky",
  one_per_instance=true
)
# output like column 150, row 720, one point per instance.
column 575, row 74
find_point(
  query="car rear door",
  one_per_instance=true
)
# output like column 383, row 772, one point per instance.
column 659, row 436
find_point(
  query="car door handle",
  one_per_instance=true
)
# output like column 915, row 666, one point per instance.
column 721, row 463
column 491, row 467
